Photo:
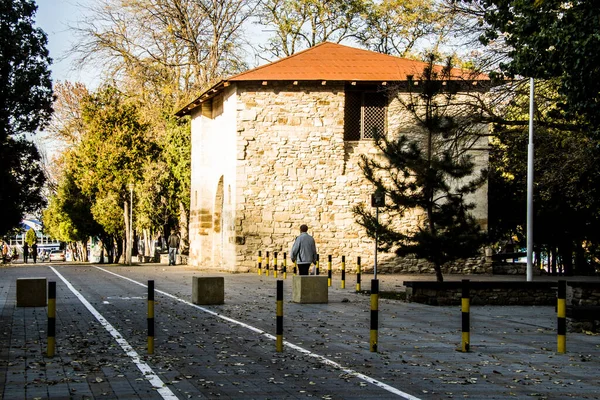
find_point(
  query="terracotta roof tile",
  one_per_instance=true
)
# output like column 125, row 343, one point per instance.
column 336, row 62
column 332, row 62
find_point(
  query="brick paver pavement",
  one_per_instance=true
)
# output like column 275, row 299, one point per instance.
column 201, row 355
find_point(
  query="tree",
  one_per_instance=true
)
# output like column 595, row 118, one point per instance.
column 300, row 24
column 110, row 156
column 552, row 39
column 31, row 237
column 398, row 26
column 167, row 50
column 429, row 172
column 69, row 218
column 567, row 177
column 25, row 106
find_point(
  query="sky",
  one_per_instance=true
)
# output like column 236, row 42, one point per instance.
column 54, row 17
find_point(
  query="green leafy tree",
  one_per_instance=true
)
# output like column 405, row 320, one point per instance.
column 111, row 155
column 567, row 178
column 68, row 216
column 25, row 106
column 31, row 237
column 430, row 172
column 552, row 39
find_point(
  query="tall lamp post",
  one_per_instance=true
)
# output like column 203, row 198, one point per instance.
column 130, row 244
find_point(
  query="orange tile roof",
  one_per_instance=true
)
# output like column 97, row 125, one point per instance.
column 332, row 62
column 336, row 62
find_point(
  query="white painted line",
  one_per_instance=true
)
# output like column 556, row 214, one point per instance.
column 147, row 372
column 318, row 357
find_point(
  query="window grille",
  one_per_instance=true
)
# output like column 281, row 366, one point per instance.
column 364, row 115
column 373, row 114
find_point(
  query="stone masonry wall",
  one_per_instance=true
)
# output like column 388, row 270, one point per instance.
column 294, row 167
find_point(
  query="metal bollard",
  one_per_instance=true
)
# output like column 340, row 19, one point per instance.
column 329, row 271
column 374, row 315
column 466, row 316
column 150, row 317
column 260, row 262
column 279, row 326
column 275, row 264
column 358, row 274
column 343, row 285
column 284, row 266
column 317, row 266
column 561, row 311
column 51, row 319
column 267, row 265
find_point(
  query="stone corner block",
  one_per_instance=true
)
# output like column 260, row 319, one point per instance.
column 310, row 289
column 208, row 290
column 32, row 292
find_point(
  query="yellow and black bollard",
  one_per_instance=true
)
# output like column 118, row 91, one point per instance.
column 284, row 266
column 150, row 317
column 51, row 319
column 561, row 311
column 317, row 266
column 260, row 262
column 329, row 271
column 358, row 274
column 279, row 327
column 466, row 316
column 267, row 265
column 275, row 264
column 295, row 267
column 343, row 285
column 374, row 315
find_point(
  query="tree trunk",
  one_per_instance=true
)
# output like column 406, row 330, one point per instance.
column 83, row 250
column 118, row 245
column 566, row 252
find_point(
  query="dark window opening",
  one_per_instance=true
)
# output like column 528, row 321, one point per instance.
column 364, row 114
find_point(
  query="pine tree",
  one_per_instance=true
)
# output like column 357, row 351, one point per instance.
column 429, row 171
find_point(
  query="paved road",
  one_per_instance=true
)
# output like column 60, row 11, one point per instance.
column 228, row 351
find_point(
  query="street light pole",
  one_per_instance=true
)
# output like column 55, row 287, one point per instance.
column 530, row 185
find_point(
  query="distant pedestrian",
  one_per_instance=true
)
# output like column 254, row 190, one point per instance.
column 173, row 243
column 304, row 251
column 34, row 253
column 5, row 252
column 25, row 252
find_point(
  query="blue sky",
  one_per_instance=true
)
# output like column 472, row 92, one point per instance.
column 54, row 17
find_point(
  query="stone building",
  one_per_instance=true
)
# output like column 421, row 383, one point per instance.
column 279, row 145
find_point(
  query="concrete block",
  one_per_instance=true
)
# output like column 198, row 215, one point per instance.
column 310, row 289
column 32, row 292
column 207, row 290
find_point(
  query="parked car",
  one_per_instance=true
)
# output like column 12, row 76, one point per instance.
column 57, row 255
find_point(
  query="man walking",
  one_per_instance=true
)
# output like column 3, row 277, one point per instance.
column 304, row 251
column 34, row 253
column 173, row 243
column 25, row 252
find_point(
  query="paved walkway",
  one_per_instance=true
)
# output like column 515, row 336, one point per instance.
column 228, row 351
